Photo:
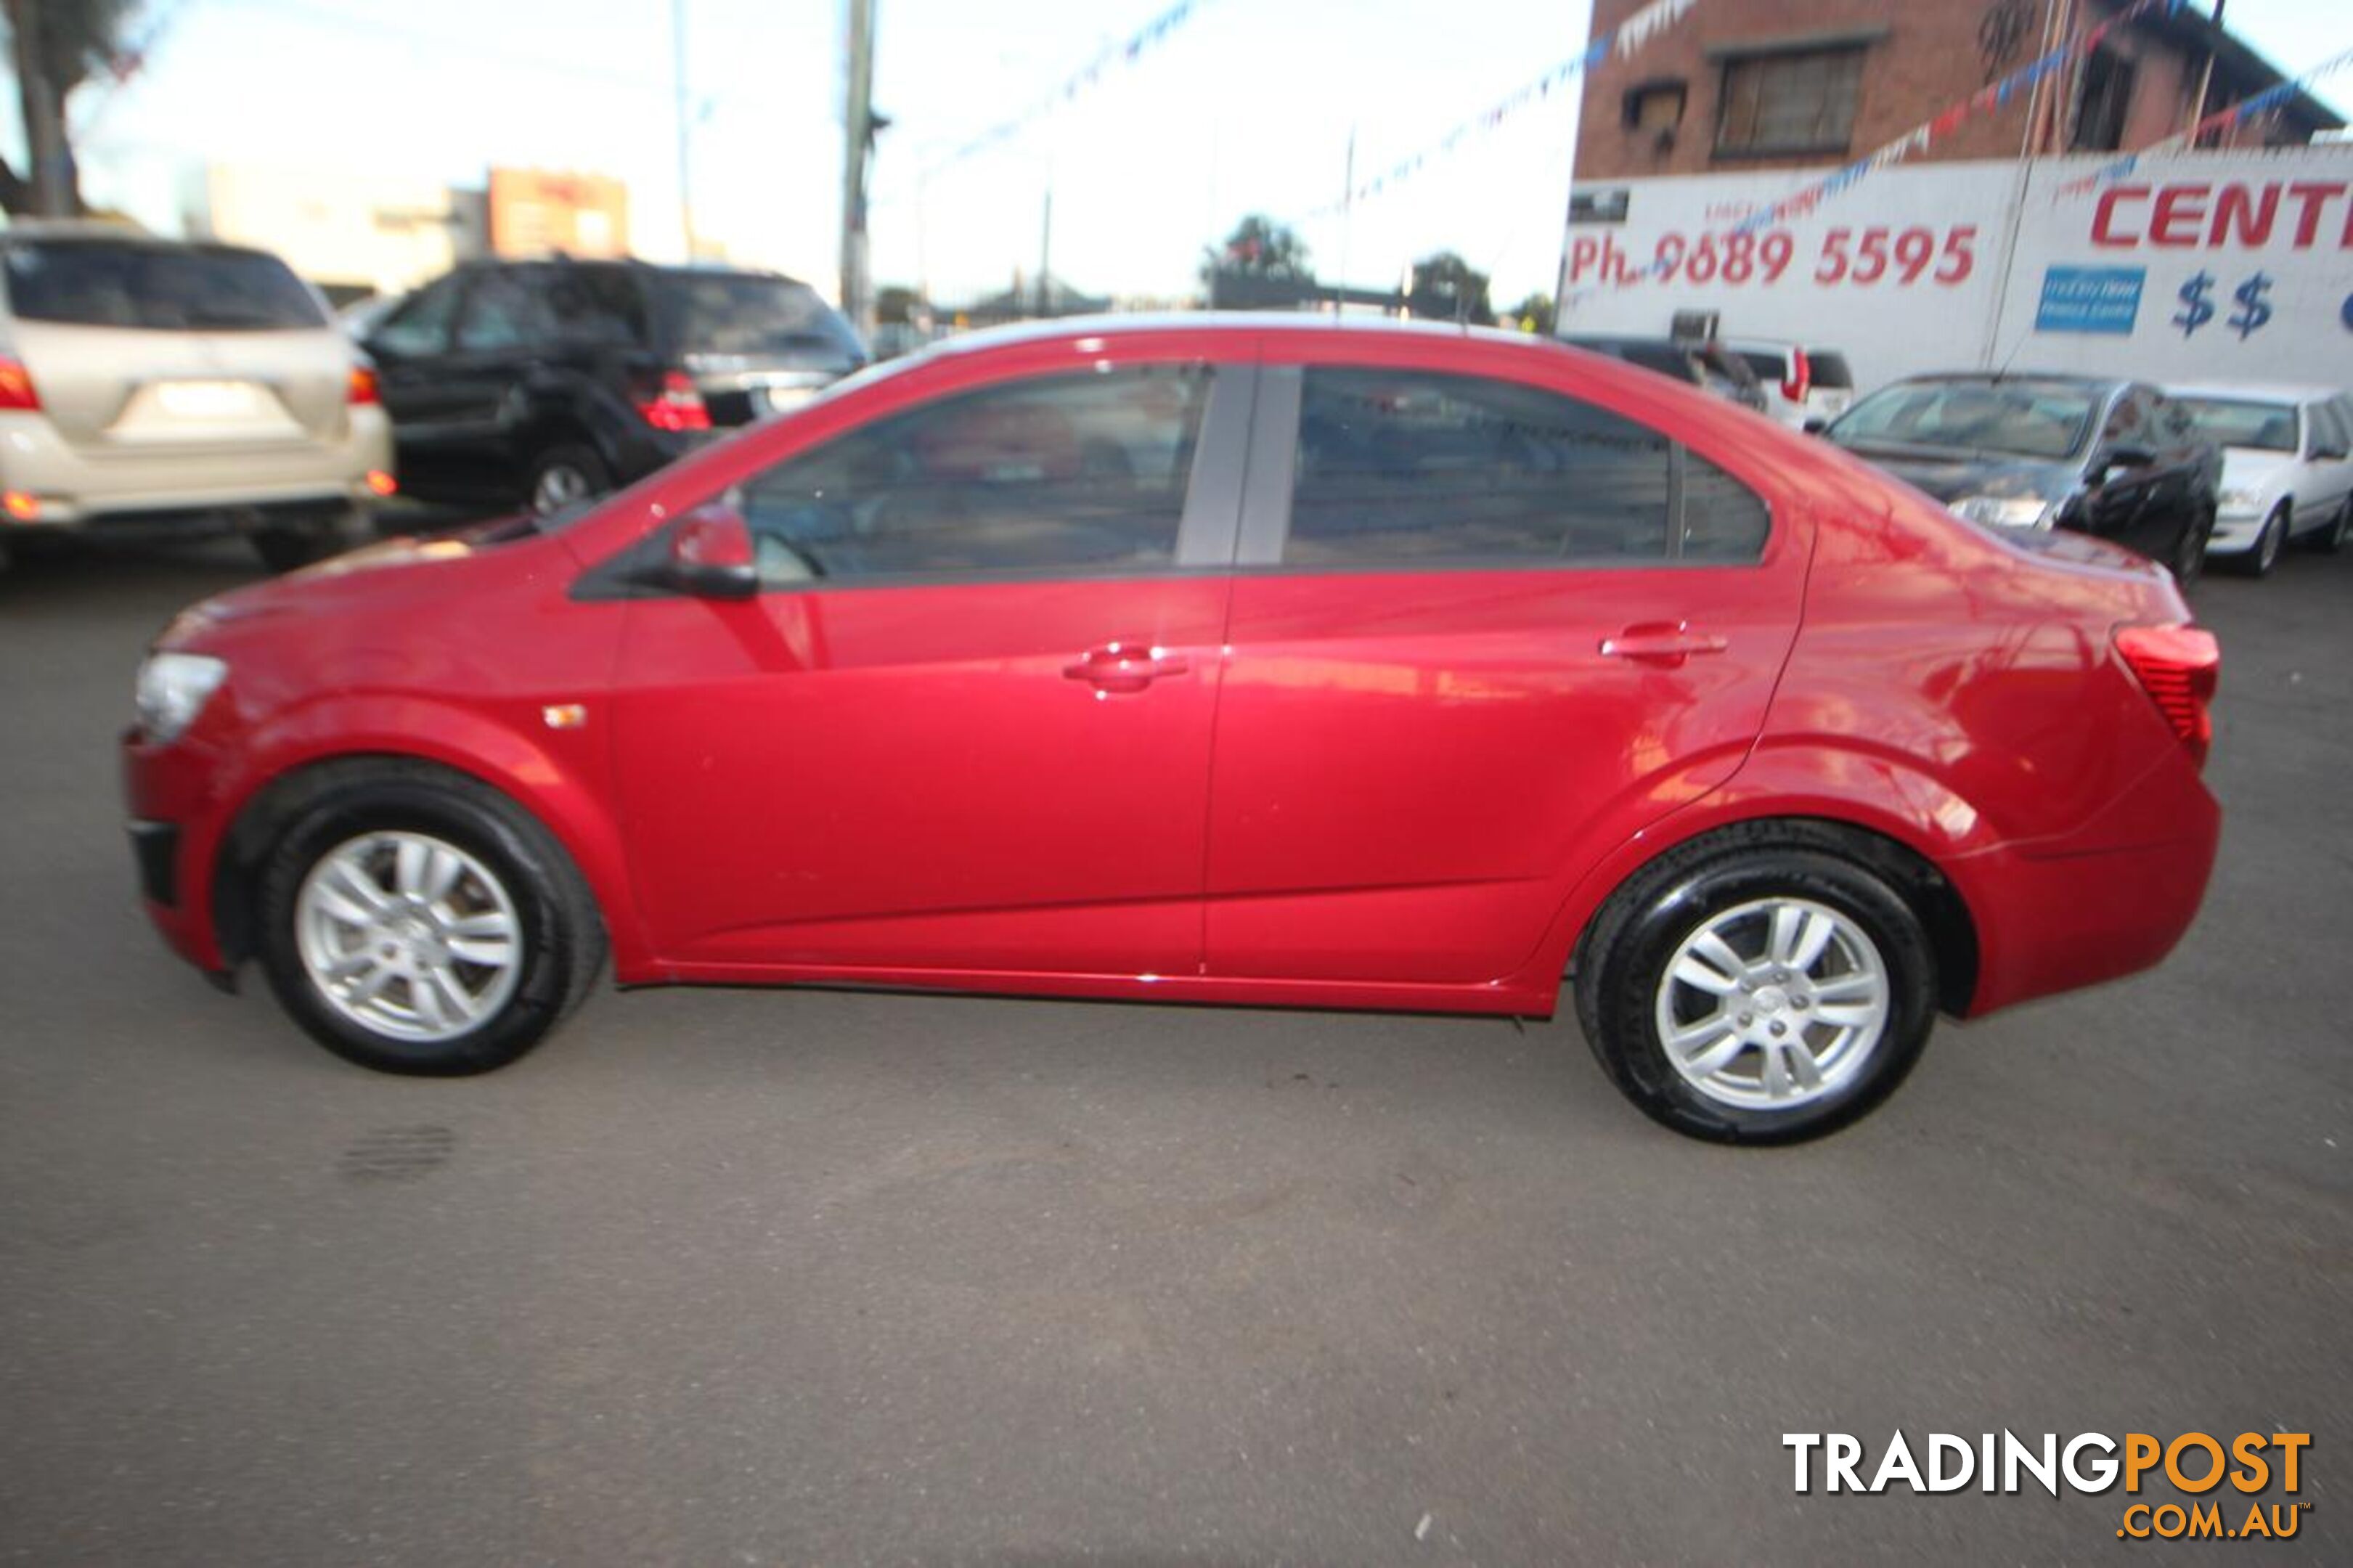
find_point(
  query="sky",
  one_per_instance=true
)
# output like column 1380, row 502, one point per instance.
column 1249, row 105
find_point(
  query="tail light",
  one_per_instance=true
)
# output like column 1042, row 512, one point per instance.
column 16, row 387
column 2177, row 666
column 361, row 388
column 677, row 406
column 1802, row 377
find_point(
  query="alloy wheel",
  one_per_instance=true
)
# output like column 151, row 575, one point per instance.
column 1773, row 1004
column 409, row 936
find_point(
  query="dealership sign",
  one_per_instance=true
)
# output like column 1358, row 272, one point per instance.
column 2206, row 264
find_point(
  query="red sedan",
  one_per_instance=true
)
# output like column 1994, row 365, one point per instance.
column 1209, row 659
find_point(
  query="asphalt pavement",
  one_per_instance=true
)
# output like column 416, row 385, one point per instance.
column 814, row 1278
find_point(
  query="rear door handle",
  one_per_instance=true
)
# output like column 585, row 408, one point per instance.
column 1125, row 666
column 1667, row 643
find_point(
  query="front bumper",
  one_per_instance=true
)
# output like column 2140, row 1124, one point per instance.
column 175, row 825
column 2234, row 533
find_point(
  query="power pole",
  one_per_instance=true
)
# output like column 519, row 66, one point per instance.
column 46, row 148
column 1046, row 258
column 685, row 164
column 858, row 126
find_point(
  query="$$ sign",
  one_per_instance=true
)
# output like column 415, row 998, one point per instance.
column 2251, row 314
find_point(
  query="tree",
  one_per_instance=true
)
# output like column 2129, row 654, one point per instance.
column 1534, row 314
column 1259, row 247
column 1447, row 287
column 56, row 45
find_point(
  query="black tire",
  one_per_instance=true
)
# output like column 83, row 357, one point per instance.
column 1623, row 960
column 2260, row 557
column 562, row 943
column 576, row 470
column 2190, row 555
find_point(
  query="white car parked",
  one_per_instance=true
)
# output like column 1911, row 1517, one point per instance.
column 1802, row 385
column 2285, row 472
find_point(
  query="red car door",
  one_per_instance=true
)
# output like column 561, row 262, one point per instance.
column 1482, row 629
column 965, row 726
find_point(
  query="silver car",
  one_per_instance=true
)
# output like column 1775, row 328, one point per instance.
column 154, row 388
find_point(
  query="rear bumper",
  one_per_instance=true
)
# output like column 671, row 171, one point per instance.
column 88, row 487
column 2106, row 903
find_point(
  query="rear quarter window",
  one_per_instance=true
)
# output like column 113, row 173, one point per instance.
column 157, row 288
column 1829, row 370
column 750, row 313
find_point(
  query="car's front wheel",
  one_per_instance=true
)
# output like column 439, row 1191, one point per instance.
column 1757, row 994
column 420, row 924
column 2264, row 553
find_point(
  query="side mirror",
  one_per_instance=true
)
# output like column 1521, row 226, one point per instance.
column 1815, row 424
column 710, row 554
column 2116, row 457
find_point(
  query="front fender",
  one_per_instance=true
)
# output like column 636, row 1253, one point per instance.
column 557, row 778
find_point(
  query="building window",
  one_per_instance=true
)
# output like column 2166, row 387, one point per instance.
column 2100, row 103
column 1789, row 103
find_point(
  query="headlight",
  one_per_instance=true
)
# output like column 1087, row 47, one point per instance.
column 2240, row 500
column 174, row 689
column 2007, row 512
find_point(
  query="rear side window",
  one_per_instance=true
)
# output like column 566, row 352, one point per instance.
column 752, row 313
column 592, row 306
column 157, row 288
column 1067, row 475
column 1830, row 371
column 1768, row 366
column 1411, row 469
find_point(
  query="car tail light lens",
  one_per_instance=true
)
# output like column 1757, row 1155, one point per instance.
column 2177, row 666
column 362, row 388
column 381, row 483
column 16, row 386
column 1802, row 377
column 677, row 406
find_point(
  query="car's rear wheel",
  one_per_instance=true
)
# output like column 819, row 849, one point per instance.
column 1757, row 994
column 2264, row 553
column 565, row 475
column 415, row 923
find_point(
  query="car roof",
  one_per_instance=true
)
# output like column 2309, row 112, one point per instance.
column 2043, row 377
column 2281, row 391
column 1108, row 324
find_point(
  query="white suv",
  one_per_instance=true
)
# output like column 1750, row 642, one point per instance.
column 1803, row 386
column 2285, row 469
column 152, row 388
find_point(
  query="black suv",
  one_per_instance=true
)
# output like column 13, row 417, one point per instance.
column 1706, row 365
column 549, row 382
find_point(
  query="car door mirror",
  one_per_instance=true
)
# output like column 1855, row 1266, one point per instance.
column 1816, row 424
column 2116, row 457
column 709, row 555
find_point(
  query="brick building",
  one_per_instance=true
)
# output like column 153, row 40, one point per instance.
column 1761, row 84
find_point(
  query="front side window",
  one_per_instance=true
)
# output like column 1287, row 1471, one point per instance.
column 1403, row 469
column 1789, row 103
column 1076, row 475
column 502, row 312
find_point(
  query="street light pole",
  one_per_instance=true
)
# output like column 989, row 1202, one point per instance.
column 685, row 162
column 858, row 127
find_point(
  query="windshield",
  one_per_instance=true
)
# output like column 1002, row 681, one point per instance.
column 2234, row 422
column 115, row 283
column 746, row 313
column 2022, row 418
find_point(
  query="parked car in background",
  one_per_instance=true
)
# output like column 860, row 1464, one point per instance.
column 1709, row 366
column 1214, row 660
column 2116, row 459
column 2285, row 467
column 155, row 389
column 1801, row 384
column 551, row 382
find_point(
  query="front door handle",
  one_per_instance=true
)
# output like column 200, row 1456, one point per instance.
column 1667, row 643
column 1125, row 666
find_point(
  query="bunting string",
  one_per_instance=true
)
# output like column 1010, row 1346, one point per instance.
column 1111, row 57
column 2221, row 118
column 1628, row 37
